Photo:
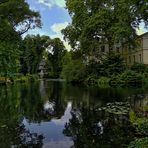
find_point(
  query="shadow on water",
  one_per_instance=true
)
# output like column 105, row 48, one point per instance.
column 55, row 114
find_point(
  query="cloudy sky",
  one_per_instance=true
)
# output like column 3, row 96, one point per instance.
column 54, row 17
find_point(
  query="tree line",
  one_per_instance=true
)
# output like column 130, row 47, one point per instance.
column 23, row 55
column 94, row 23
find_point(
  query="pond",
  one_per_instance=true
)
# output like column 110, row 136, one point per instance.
column 54, row 114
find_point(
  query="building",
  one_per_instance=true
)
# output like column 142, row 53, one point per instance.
column 139, row 54
column 132, row 55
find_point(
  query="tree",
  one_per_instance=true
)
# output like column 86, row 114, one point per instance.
column 74, row 69
column 15, row 19
column 56, row 51
column 17, row 14
column 9, row 59
column 33, row 50
column 112, row 64
column 103, row 22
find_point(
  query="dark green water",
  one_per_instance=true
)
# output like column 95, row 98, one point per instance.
column 55, row 115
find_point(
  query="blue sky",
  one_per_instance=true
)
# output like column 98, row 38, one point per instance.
column 54, row 17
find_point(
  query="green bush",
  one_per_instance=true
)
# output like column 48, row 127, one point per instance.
column 94, row 68
column 139, row 67
column 23, row 79
column 112, row 64
column 127, row 78
column 139, row 143
column 141, row 126
column 103, row 81
column 91, row 80
column 74, row 71
column 33, row 77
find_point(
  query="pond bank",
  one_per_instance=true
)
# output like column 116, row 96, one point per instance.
column 21, row 79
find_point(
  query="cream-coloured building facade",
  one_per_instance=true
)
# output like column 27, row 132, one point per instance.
column 139, row 54
column 133, row 55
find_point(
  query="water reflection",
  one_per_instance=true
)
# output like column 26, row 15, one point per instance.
column 52, row 114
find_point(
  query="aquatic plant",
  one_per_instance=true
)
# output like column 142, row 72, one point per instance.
column 120, row 108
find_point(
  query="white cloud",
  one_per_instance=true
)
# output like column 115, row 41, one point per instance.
column 56, row 28
column 33, row 8
column 140, row 31
column 51, row 3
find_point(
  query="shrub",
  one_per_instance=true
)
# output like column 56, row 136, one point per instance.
column 94, row 68
column 74, row 71
column 113, row 64
column 127, row 78
column 139, row 67
column 131, row 77
column 33, row 78
column 91, row 80
column 103, row 81
column 139, row 143
column 141, row 125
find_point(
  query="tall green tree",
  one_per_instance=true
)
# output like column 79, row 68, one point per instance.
column 16, row 18
column 103, row 22
column 56, row 51
column 33, row 50
column 17, row 14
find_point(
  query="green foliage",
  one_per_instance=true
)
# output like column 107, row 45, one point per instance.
column 56, row 52
column 23, row 79
column 132, row 116
column 139, row 67
column 94, row 68
column 94, row 24
column 9, row 59
column 91, row 80
column 139, row 143
column 141, row 125
column 32, row 52
column 118, row 108
column 112, row 64
column 127, row 78
column 35, row 49
column 103, row 81
column 15, row 19
column 73, row 70
column 17, row 14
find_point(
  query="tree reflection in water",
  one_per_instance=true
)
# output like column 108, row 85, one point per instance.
column 90, row 128
column 19, row 101
column 12, row 131
column 35, row 115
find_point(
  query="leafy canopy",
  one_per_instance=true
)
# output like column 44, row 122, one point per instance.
column 16, row 18
column 105, row 21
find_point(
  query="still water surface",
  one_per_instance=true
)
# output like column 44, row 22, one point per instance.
column 58, row 115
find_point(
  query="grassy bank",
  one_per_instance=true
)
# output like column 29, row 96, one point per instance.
column 18, row 78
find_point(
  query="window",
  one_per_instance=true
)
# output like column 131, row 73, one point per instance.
column 103, row 48
column 140, row 58
column 110, row 48
column 129, row 59
column 134, row 58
